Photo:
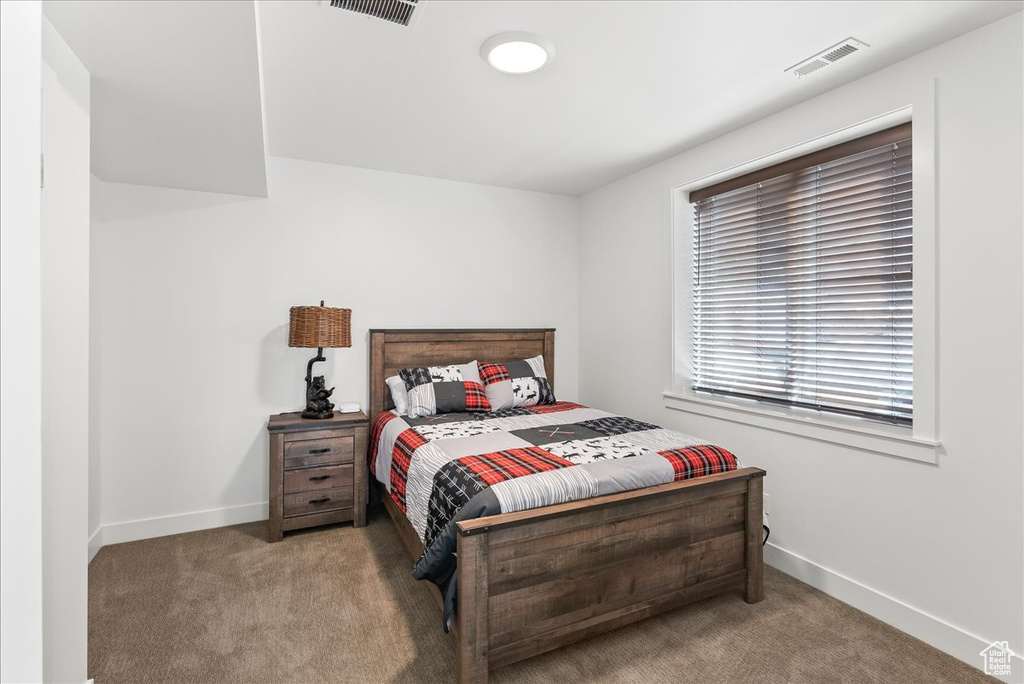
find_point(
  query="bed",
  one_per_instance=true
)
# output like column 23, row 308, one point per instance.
column 535, row 580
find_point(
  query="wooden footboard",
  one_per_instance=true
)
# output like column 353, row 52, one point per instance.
column 533, row 581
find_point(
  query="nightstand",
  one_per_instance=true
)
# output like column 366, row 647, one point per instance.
column 317, row 471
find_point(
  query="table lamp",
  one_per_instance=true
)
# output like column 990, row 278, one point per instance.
column 316, row 327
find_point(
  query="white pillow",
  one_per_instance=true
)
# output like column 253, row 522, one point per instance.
column 399, row 395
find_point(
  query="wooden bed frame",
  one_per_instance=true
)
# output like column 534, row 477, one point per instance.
column 533, row 581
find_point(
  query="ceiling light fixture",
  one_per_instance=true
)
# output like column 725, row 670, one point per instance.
column 517, row 52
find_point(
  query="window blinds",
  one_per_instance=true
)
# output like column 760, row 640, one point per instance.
column 803, row 282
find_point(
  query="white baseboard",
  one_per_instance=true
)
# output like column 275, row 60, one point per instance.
column 95, row 544
column 147, row 528
column 932, row 630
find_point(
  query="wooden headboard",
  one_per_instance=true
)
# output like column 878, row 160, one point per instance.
column 392, row 350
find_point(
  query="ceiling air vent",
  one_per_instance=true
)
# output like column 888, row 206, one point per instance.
column 829, row 55
column 401, row 12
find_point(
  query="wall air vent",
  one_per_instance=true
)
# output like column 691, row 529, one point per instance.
column 401, row 12
column 826, row 57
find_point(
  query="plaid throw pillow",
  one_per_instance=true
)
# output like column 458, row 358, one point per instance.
column 444, row 389
column 516, row 383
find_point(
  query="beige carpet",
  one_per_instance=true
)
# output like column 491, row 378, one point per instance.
column 339, row 605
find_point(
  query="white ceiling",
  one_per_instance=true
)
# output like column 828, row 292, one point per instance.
column 175, row 92
column 176, row 85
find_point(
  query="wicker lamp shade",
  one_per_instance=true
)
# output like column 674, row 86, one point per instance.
column 312, row 327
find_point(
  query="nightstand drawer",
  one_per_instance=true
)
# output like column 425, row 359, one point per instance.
column 312, row 479
column 317, row 501
column 309, row 452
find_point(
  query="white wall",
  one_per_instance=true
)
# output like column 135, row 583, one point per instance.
column 937, row 551
column 65, row 360
column 95, row 448
column 21, row 607
column 193, row 290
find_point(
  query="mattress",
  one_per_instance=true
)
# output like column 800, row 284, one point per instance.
column 450, row 467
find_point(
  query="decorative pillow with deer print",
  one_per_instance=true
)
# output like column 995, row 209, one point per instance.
column 514, row 384
column 444, row 389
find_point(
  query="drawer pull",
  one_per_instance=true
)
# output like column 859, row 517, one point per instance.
column 321, row 500
column 320, row 478
column 320, row 451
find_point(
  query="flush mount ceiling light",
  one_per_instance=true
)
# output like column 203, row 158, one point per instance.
column 517, row 52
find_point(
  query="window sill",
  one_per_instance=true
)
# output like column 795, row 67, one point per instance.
column 880, row 439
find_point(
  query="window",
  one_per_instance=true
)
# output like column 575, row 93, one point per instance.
column 803, row 282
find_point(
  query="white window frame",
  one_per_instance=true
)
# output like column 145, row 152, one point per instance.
column 919, row 442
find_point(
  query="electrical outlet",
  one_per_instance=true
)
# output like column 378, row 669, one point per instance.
column 765, row 504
